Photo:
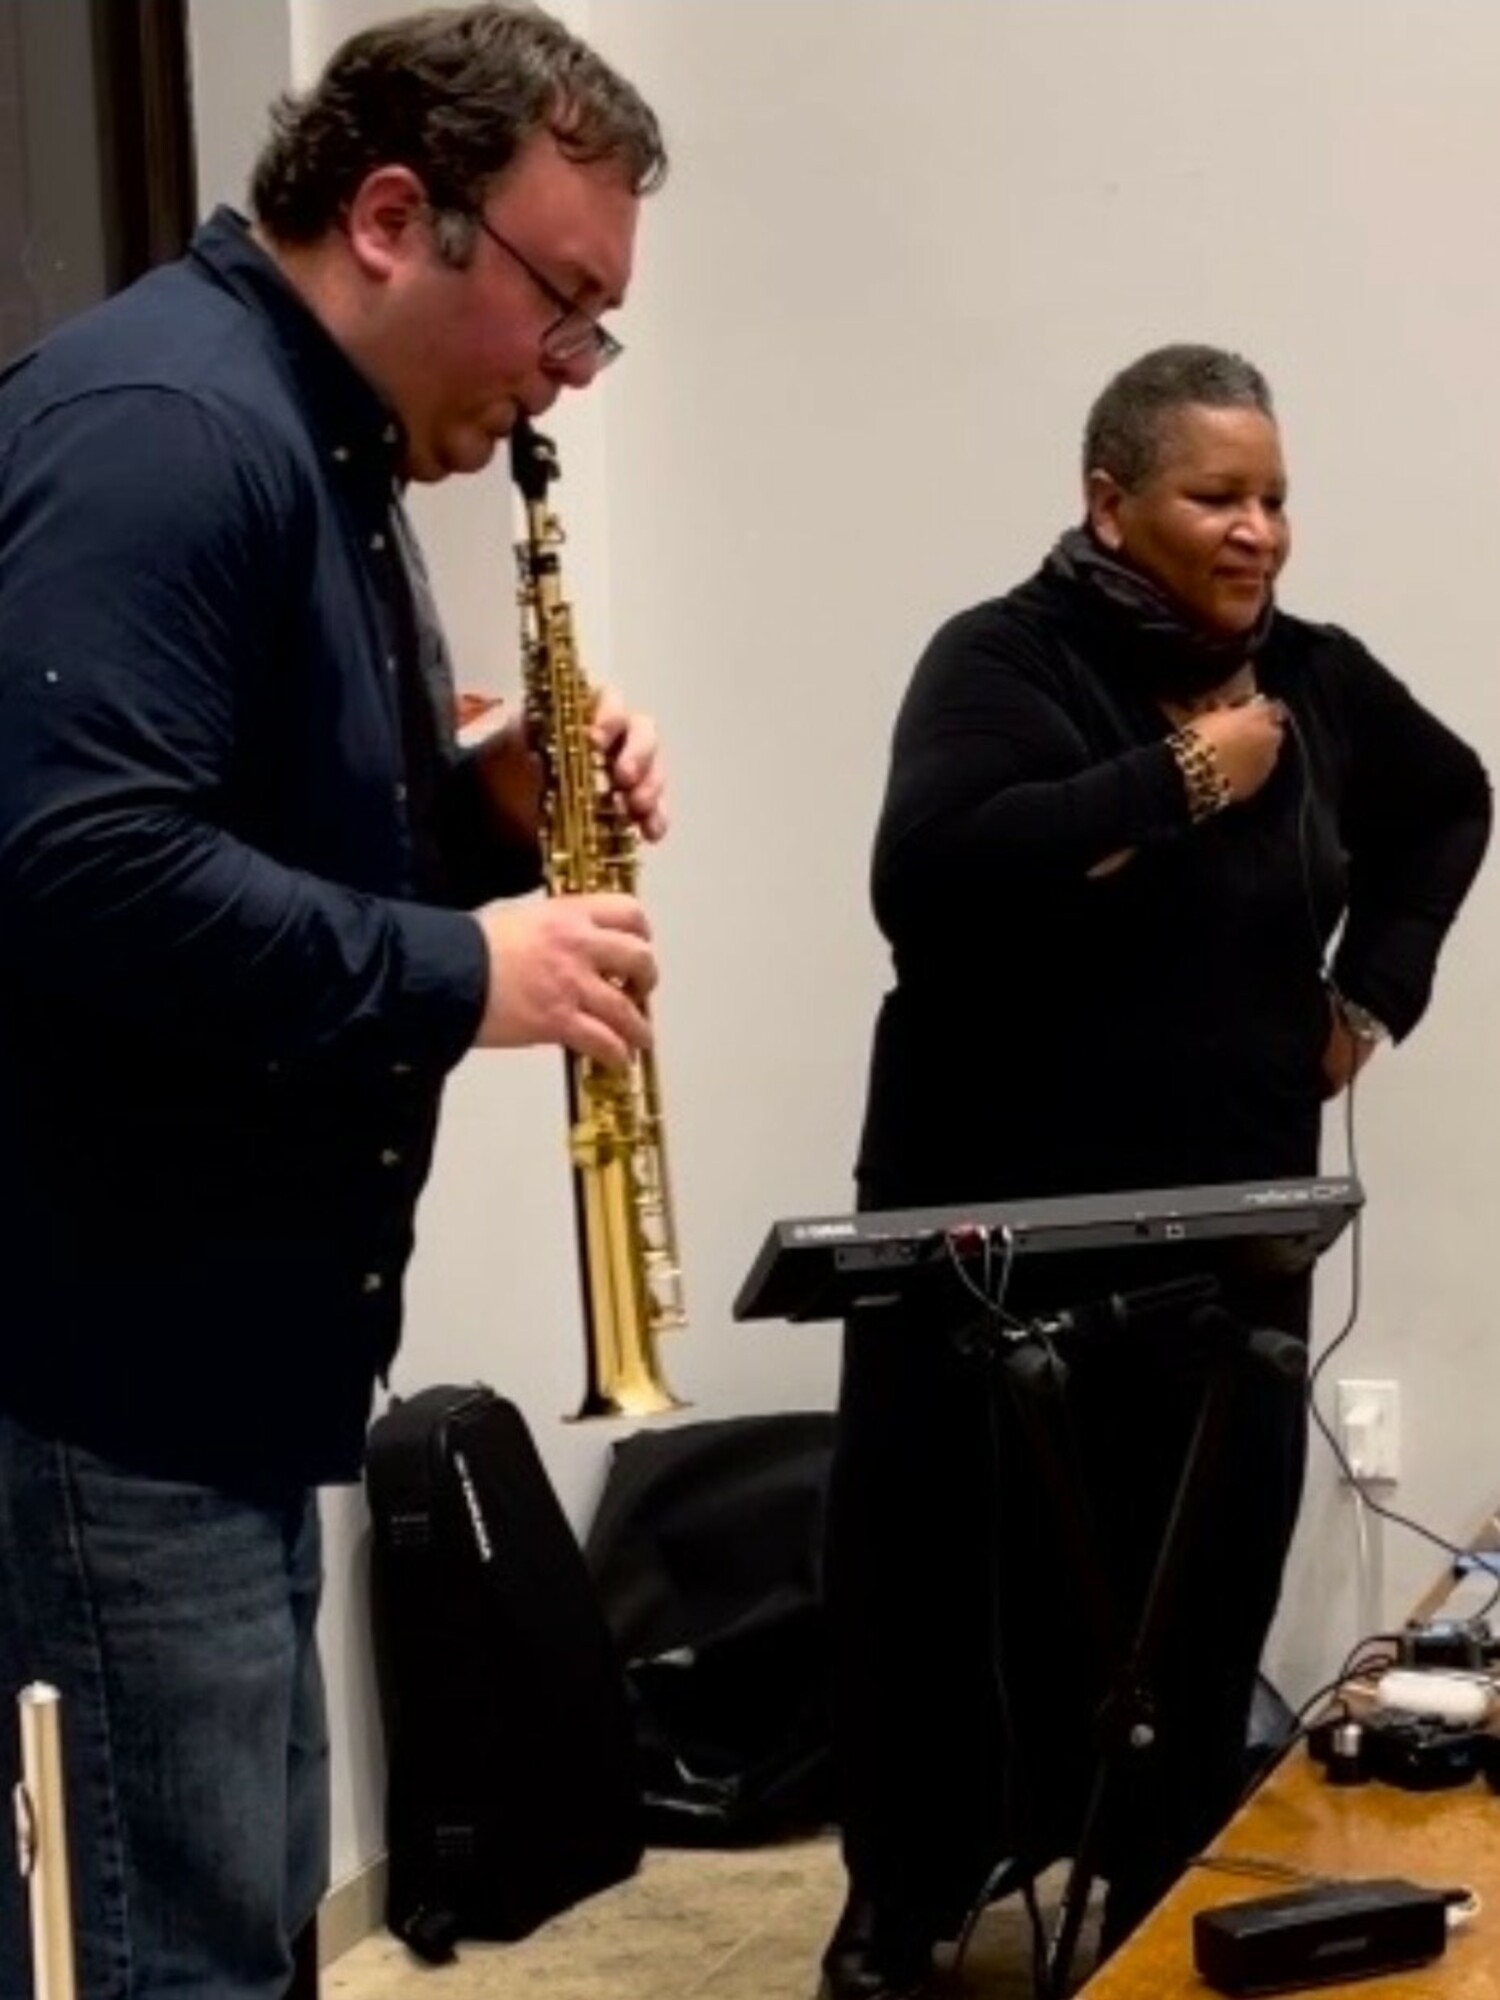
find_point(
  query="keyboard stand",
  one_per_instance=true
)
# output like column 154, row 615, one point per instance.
column 1031, row 1367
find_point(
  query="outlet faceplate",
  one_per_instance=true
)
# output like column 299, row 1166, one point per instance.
column 1369, row 1428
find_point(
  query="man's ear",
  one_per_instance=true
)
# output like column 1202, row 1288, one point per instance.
column 389, row 208
column 1104, row 497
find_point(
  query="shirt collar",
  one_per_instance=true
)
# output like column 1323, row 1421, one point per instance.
column 358, row 425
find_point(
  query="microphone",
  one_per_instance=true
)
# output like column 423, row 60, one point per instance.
column 1194, row 1301
column 1282, row 1352
column 1120, row 1310
column 1268, row 1346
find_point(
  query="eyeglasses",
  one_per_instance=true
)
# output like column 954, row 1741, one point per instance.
column 574, row 331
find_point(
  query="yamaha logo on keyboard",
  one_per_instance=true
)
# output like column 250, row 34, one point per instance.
column 823, row 1232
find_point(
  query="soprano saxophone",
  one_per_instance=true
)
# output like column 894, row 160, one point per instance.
column 632, row 1288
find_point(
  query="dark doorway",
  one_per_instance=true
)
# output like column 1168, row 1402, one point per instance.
column 96, row 159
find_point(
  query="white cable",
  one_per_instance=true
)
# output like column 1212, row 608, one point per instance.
column 1365, row 1616
column 989, row 1294
column 1356, row 1426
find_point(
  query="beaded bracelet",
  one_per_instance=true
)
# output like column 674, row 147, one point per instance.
column 1206, row 786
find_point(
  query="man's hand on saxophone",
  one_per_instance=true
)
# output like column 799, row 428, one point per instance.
column 632, row 756
column 627, row 742
column 569, row 970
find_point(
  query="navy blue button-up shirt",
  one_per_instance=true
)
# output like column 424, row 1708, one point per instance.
column 237, row 843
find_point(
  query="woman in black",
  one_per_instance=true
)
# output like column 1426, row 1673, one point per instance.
column 1160, row 866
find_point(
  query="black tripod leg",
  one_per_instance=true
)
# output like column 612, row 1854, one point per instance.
column 1133, row 1728
column 1037, row 1379
column 1127, row 1725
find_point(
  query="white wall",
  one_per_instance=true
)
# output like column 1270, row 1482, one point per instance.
column 239, row 59
column 902, row 247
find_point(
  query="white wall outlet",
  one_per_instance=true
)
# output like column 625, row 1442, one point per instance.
column 1369, row 1428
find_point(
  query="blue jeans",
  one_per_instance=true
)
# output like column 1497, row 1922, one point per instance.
column 178, row 1623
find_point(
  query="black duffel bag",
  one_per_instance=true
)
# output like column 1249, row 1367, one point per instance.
column 706, row 1555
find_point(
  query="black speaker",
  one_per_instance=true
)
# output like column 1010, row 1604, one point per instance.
column 1311, row 1937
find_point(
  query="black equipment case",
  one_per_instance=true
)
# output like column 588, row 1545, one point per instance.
column 511, row 1789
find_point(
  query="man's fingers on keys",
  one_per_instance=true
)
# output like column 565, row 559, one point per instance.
column 623, row 956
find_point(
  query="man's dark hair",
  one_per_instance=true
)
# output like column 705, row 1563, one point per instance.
column 1129, row 421
column 452, row 94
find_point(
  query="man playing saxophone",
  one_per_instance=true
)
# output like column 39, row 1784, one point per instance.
column 254, row 905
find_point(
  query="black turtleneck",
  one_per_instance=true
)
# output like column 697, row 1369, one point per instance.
column 1164, row 1023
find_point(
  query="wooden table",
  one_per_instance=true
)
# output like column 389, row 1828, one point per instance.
column 1437, row 1839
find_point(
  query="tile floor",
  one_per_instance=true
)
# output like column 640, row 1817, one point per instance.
column 689, row 1926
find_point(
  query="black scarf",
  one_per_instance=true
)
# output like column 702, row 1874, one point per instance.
column 1171, row 656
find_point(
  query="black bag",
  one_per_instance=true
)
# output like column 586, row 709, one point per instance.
column 706, row 1552
column 511, row 1787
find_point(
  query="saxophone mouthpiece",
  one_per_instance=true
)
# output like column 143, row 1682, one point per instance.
column 533, row 460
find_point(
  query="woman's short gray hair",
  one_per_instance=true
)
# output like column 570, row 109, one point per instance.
column 1126, row 426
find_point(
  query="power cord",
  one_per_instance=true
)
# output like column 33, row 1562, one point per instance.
column 1265, row 1867
column 1306, row 1717
column 1356, row 1234
column 1360, row 1487
column 1462, row 1905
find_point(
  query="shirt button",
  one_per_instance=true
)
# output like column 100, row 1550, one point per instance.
column 401, row 795
column 341, row 454
column 400, row 1069
column 390, row 663
column 371, row 1282
column 377, row 542
column 390, row 1156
